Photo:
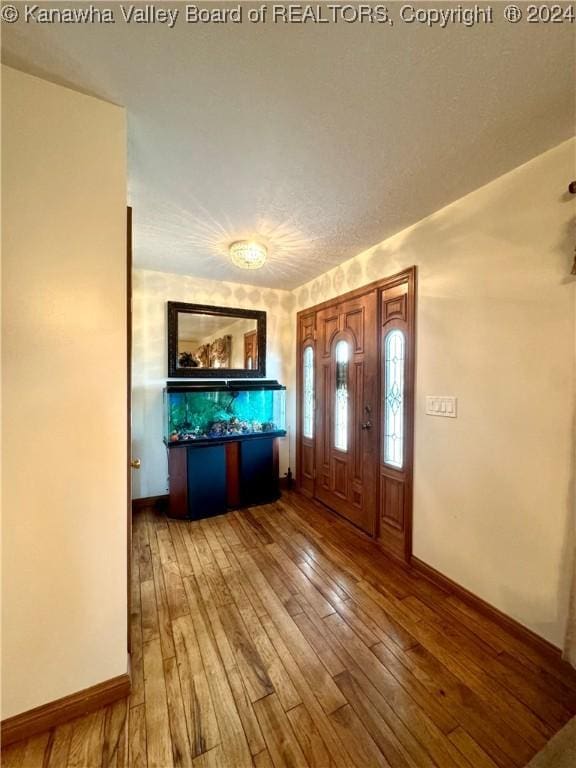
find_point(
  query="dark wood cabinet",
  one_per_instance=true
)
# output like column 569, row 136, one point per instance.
column 258, row 472
column 207, row 493
column 209, row 479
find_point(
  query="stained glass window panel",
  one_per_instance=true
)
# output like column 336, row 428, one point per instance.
column 394, row 364
column 308, row 393
column 341, row 400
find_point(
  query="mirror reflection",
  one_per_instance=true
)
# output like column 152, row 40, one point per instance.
column 214, row 341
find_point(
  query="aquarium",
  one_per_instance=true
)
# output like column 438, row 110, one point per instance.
column 209, row 411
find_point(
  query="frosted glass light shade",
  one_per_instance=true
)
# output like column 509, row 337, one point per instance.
column 248, row 254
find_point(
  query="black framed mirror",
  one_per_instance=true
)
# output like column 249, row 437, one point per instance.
column 215, row 342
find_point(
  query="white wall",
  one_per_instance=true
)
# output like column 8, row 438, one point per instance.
column 493, row 490
column 151, row 291
column 64, row 392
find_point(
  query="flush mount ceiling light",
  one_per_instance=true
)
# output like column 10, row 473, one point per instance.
column 248, row 254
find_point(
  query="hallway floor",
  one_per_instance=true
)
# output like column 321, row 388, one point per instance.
column 277, row 636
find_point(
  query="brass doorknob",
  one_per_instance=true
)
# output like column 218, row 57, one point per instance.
column 135, row 463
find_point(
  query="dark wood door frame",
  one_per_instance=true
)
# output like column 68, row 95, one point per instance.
column 129, row 410
column 396, row 308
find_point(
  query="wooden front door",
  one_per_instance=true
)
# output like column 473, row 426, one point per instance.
column 355, row 407
column 346, row 414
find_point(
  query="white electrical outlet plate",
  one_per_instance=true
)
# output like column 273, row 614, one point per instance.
column 442, row 405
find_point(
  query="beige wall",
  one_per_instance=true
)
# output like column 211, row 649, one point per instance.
column 64, row 392
column 493, row 490
column 151, row 291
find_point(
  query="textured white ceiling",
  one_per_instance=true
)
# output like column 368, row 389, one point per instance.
column 322, row 139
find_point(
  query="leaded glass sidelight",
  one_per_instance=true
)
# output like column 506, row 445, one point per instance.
column 394, row 364
column 308, row 393
column 341, row 407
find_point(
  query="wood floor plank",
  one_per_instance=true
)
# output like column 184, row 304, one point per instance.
column 150, row 630
column 13, row 754
column 282, row 744
column 210, row 532
column 517, row 683
column 60, row 747
column 36, row 751
column 311, row 742
column 377, row 725
column 381, row 717
column 263, row 760
column 144, row 554
column 300, row 582
column 170, row 568
column 114, row 745
column 504, row 746
column 273, row 574
column 184, row 564
column 560, row 691
column 305, row 656
column 280, row 636
column 229, row 533
column 205, row 598
column 445, row 722
column 510, row 709
column 195, row 563
column 234, row 742
column 215, row 758
column 181, row 751
column 306, row 562
column 547, row 708
column 364, row 750
column 318, row 641
column 246, row 712
column 248, row 660
column 202, row 725
column 363, row 605
column 162, row 602
column 250, row 520
column 137, row 752
column 175, row 594
column 247, row 587
column 418, row 720
column 277, row 674
column 136, row 659
column 482, row 625
column 158, row 741
column 344, row 572
column 475, row 755
column 310, row 700
column 86, row 742
column 245, row 534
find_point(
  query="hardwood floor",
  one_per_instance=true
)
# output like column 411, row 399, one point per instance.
column 277, row 636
